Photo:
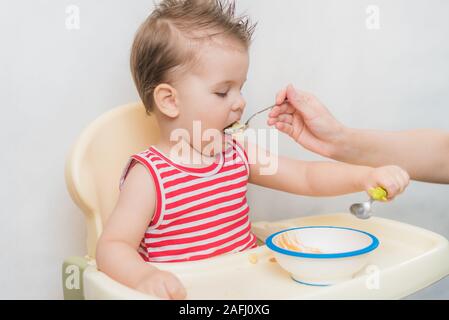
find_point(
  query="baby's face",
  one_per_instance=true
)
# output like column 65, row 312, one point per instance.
column 211, row 93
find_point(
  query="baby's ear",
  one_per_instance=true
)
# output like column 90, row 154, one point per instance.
column 165, row 99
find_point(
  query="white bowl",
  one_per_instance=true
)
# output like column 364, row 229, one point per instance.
column 342, row 252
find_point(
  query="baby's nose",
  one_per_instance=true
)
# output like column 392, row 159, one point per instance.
column 239, row 105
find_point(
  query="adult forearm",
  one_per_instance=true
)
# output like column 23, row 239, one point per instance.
column 423, row 153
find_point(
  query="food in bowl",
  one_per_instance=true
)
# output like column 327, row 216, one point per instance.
column 284, row 241
column 322, row 255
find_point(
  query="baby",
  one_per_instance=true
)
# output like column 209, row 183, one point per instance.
column 190, row 61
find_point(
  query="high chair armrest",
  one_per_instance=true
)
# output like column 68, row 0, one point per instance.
column 83, row 281
column 99, row 286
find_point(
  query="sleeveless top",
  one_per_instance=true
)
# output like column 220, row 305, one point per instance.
column 199, row 212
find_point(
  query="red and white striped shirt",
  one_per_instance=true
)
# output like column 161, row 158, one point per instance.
column 200, row 212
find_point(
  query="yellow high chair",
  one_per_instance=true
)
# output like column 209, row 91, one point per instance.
column 408, row 259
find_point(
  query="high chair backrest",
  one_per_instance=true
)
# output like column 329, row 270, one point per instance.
column 97, row 159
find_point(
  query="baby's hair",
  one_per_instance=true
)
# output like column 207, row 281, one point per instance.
column 164, row 42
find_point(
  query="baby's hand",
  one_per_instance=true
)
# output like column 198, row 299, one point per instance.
column 392, row 178
column 163, row 284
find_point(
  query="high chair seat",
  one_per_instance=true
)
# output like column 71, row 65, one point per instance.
column 408, row 259
column 97, row 159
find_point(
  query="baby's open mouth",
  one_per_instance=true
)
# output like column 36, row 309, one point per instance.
column 235, row 127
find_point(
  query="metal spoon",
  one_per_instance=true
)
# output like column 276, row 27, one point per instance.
column 240, row 128
column 363, row 210
column 255, row 114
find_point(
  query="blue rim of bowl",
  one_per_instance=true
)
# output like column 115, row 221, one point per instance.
column 312, row 284
column 374, row 244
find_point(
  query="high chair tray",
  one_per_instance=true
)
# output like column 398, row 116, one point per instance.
column 408, row 259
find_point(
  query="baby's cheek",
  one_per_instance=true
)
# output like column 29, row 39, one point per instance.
column 220, row 122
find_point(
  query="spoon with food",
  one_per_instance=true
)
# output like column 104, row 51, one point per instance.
column 237, row 127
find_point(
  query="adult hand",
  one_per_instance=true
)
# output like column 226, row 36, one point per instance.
column 307, row 121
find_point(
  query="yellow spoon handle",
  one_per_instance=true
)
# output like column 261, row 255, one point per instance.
column 378, row 193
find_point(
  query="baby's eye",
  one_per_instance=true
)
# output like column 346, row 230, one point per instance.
column 221, row 94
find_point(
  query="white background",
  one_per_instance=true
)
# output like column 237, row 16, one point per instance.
column 54, row 82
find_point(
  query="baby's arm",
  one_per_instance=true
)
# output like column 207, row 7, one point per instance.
column 117, row 247
column 322, row 178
